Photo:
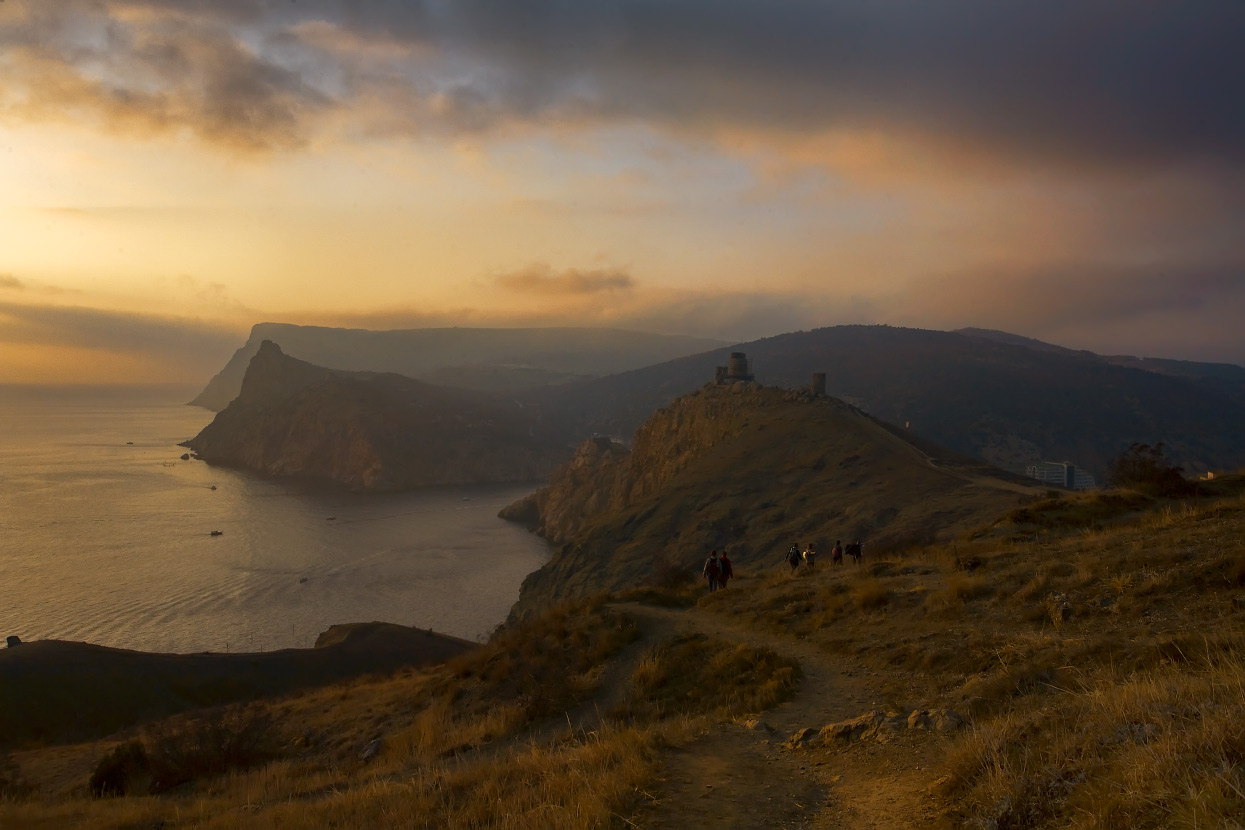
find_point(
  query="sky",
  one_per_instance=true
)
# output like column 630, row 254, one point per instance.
column 175, row 171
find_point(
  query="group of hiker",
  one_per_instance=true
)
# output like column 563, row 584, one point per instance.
column 809, row 555
column 718, row 569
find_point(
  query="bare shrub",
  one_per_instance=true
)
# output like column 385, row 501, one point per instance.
column 871, row 594
column 125, row 770
column 237, row 739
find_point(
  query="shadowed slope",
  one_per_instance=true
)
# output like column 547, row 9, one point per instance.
column 54, row 690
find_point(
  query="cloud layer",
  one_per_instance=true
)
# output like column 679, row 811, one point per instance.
column 543, row 280
column 1103, row 82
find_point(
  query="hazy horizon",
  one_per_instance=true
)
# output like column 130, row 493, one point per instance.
column 178, row 171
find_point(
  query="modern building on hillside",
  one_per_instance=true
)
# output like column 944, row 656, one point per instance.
column 1062, row 473
column 738, row 368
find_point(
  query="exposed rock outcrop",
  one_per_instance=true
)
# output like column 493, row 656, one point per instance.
column 875, row 726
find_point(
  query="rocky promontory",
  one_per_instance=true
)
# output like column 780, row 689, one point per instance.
column 752, row 470
column 371, row 432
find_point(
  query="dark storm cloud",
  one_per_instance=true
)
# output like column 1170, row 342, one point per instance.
column 141, row 72
column 1083, row 81
column 541, row 279
column 1070, row 79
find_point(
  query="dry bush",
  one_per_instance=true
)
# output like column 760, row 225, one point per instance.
column 126, row 769
column 695, row 675
column 178, row 752
column 870, row 594
column 11, row 783
column 960, row 588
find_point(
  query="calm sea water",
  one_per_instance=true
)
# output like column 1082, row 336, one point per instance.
column 109, row 541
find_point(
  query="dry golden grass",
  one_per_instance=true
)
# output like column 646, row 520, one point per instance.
column 1102, row 663
column 483, row 742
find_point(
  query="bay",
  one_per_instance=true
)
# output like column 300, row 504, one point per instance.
column 105, row 537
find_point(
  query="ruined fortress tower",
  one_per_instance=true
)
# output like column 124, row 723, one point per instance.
column 736, row 369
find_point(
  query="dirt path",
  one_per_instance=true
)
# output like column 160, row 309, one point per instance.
column 736, row 777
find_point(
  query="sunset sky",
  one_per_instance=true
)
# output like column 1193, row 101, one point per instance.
column 174, row 171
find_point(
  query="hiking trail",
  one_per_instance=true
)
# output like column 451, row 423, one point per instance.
column 735, row 777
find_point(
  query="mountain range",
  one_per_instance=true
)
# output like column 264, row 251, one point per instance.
column 1008, row 403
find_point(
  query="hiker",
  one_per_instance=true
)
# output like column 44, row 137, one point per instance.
column 810, row 553
column 855, row 552
column 725, row 571
column 836, row 553
column 713, row 570
column 793, row 557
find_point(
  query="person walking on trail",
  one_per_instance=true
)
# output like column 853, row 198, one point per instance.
column 725, row 571
column 713, row 571
column 836, row 553
column 855, row 552
column 810, row 554
column 793, row 557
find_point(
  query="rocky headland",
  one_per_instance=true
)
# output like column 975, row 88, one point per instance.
column 754, row 470
column 372, row 432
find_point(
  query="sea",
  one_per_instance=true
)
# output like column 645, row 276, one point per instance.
column 106, row 536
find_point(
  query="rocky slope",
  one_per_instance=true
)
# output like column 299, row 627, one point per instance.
column 371, row 431
column 470, row 358
column 750, row 469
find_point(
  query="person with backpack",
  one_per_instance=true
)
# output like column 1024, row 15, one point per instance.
column 810, row 554
column 713, row 571
column 725, row 571
column 793, row 557
column 836, row 553
column 855, row 552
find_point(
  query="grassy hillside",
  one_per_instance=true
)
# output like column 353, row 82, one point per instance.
column 1003, row 403
column 753, row 471
column 1096, row 659
column 53, row 691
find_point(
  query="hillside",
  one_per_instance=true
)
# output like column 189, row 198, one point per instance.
column 1082, row 672
column 754, row 470
column 1004, row 403
column 371, row 431
column 483, row 359
column 87, row 691
column 1226, row 379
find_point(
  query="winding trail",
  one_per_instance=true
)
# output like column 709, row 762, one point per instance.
column 736, row 777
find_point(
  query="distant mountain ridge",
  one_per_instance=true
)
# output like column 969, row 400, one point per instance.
column 1004, row 403
column 754, row 470
column 372, row 431
column 473, row 358
column 1226, row 378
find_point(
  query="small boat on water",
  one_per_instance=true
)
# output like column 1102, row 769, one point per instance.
column 217, row 533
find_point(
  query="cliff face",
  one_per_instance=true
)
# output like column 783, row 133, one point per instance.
column 370, row 431
column 752, row 470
